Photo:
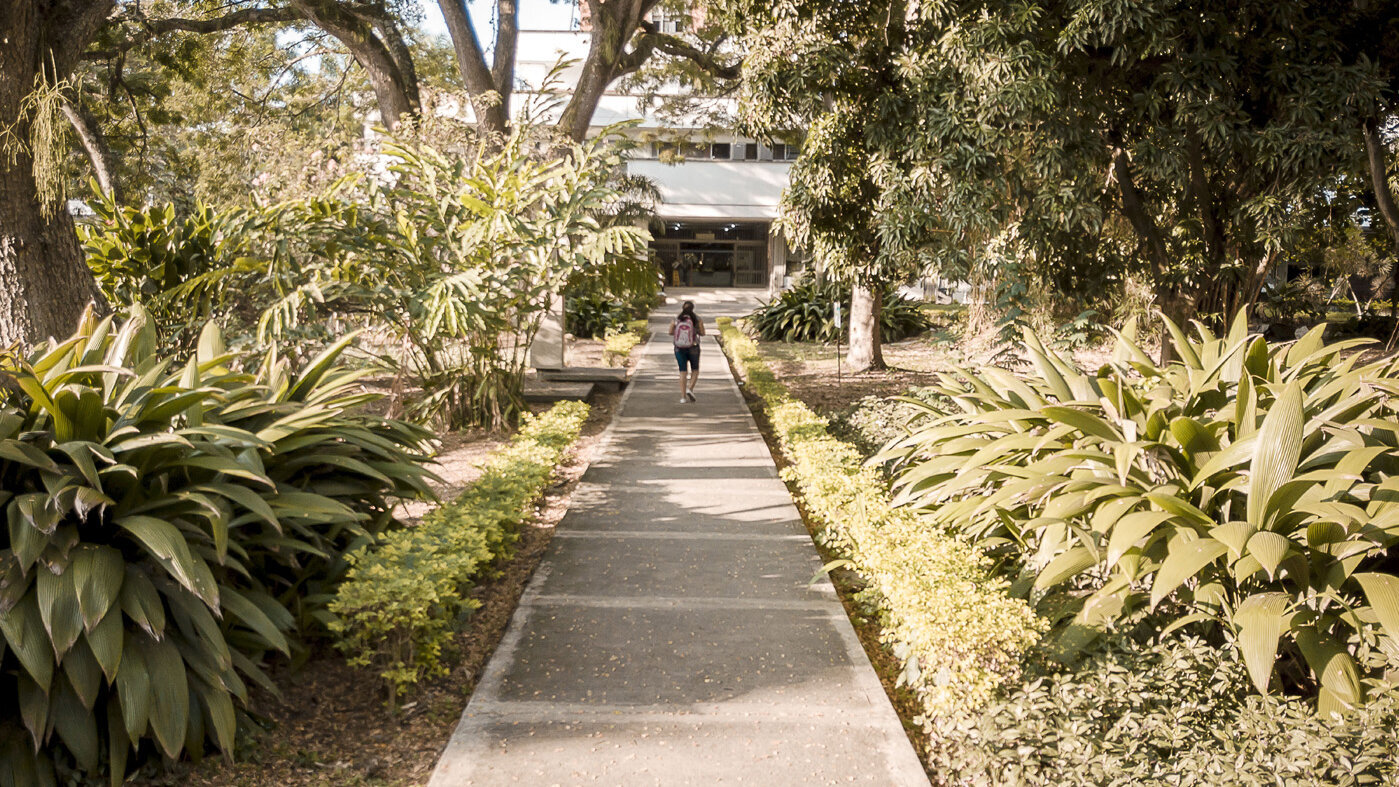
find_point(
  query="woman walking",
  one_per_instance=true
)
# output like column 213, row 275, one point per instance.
column 685, row 331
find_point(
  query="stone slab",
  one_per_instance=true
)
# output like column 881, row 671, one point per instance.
column 628, row 656
column 677, row 566
column 824, row 750
column 747, row 505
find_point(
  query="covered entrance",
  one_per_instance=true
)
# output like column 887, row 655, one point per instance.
column 713, row 254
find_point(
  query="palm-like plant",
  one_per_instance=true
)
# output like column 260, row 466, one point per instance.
column 459, row 259
column 159, row 522
column 1246, row 487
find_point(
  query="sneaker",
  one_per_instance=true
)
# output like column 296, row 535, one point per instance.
column 684, row 400
column 690, row 394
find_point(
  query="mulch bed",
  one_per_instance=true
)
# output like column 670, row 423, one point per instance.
column 331, row 727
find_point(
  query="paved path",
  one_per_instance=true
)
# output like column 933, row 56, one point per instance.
column 670, row 635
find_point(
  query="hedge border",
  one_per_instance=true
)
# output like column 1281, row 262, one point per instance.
column 957, row 633
column 404, row 598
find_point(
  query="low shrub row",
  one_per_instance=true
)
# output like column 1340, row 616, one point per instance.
column 957, row 632
column 405, row 595
column 163, row 530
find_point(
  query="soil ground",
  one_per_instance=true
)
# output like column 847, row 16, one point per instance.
column 330, row 727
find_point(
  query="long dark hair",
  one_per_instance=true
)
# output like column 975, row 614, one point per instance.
column 687, row 312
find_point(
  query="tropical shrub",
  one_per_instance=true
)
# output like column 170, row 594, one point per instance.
column 1178, row 712
column 405, row 594
column 157, row 522
column 955, row 630
column 592, row 315
column 805, row 313
column 457, row 261
column 1248, row 490
column 175, row 266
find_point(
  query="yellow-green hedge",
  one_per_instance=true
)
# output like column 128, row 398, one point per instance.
column 957, row 632
column 617, row 345
column 403, row 598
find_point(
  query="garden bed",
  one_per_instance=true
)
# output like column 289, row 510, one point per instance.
column 330, row 726
column 1065, row 719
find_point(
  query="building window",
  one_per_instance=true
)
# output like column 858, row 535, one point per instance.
column 671, row 21
column 784, row 152
column 796, row 261
column 721, row 150
column 750, row 151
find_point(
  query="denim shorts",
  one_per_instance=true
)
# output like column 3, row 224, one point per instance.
column 690, row 355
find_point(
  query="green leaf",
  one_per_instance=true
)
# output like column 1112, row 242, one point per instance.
column 98, row 572
column 134, row 687
column 254, row 618
column 1193, row 437
column 166, row 542
column 58, row 606
column 1269, row 549
column 1067, row 565
column 1260, row 621
column 118, row 746
column 141, row 602
column 1083, row 421
column 169, row 707
column 76, row 725
column 1184, row 561
column 1132, row 528
column 1185, row 350
column 1382, row 591
column 1334, row 669
column 23, row 628
column 107, row 639
column 33, row 708
column 84, row 673
column 1276, row 453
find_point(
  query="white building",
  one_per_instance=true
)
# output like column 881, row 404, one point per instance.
column 718, row 192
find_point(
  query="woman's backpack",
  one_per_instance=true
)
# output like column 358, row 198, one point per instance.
column 684, row 334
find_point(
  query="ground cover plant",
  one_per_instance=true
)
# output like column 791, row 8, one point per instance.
column 1246, row 492
column 167, row 527
column 1181, row 711
column 406, row 593
column 618, row 343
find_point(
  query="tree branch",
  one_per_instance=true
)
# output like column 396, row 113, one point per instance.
column 651, row 40
column 153, row 29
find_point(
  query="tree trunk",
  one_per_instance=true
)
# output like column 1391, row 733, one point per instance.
column 44, row 281
column 492, row 112
column 613, row 24
column 865, row 342
column 394, row 89
column 1378, row 159
column 507, row 39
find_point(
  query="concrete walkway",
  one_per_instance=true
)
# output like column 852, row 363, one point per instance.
column 670, row 635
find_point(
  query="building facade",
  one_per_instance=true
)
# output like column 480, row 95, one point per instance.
column 718, row 193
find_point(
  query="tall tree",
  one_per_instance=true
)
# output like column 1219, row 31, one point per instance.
column 832, row 70
column 1075, row 144
column 622, row 40
column 44, row 283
